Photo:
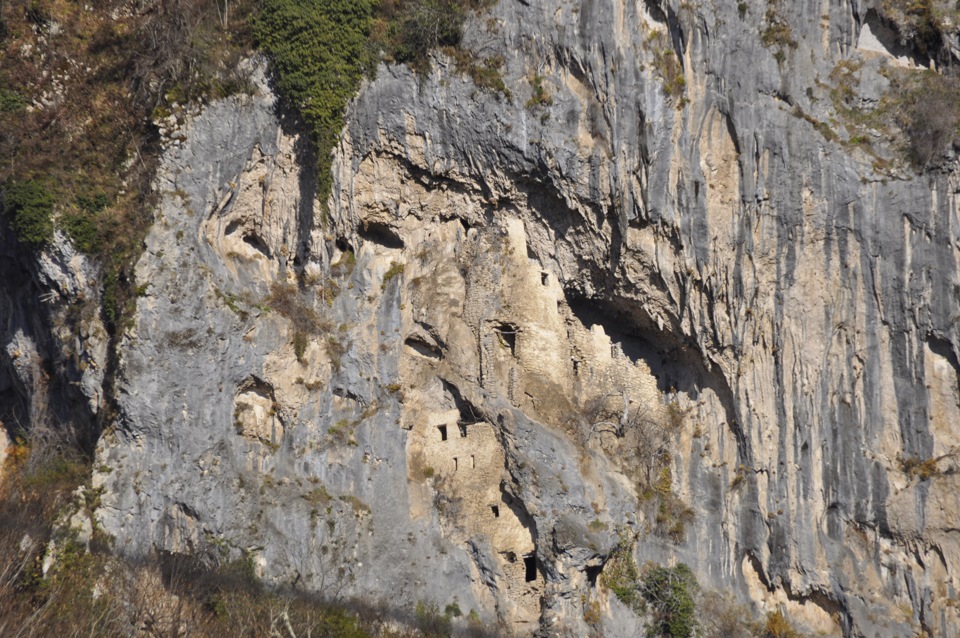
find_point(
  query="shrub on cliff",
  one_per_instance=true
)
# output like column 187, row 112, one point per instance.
column 666, row 594
column 670, row 593
column 28, row 205
column 620, row 575
column 320, row 53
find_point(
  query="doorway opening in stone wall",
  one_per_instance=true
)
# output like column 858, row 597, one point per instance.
column 507, row 336
column 530, row 567
column 496, row 510
column 443, row 432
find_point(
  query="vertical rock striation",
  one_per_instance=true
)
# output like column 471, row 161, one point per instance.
column 651, row 294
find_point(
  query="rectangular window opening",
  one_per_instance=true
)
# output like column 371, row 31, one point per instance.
column 530, row 566
column 443, row 432
column 496, row 510
column 473, row 461
column 507, row 335
column 455, row 464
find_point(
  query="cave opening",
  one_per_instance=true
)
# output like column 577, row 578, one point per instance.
column 593, row 572
column 382, row 234
column 254, row 241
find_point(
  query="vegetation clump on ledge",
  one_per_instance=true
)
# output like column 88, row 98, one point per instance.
column 28, row 207
column 321, row 50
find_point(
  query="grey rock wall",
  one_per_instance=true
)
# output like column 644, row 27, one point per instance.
column 780, row 307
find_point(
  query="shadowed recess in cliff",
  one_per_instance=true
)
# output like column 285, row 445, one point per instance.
column 381, row 234
column 306, row 153
column 563, row 222
column 675, row 364
column 40, row 394
column 881, row 35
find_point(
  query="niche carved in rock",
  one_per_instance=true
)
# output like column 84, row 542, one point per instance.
column 255, row 415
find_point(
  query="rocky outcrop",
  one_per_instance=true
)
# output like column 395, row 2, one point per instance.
column 54, row 353
column 657, row 297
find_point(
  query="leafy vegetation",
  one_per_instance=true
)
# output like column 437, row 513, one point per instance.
column 28, row 206
column 667, row 594
column 667, row 65
column 322, row 49
column 670, row 593
column 11, row 101
column 431, row 622
column 620, row 575
column 483, row 71
column 776, row 33
column 320, row 52
column 83, row 222
column 395, row 270
column 776, row 625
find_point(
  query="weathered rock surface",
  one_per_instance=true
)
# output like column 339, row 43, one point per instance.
column 54, row 344
column 522, row 325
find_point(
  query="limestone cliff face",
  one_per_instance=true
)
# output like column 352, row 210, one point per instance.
column 648, row 298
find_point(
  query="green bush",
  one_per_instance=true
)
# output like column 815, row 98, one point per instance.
column 83, row 223
column 620, row 575
column 670, row 593
column 320, row 53
column 28, row 206
column 11, row 101
column 395, row 270
column 431, row 622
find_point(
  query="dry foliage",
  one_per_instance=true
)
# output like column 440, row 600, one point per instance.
column 290, row 302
